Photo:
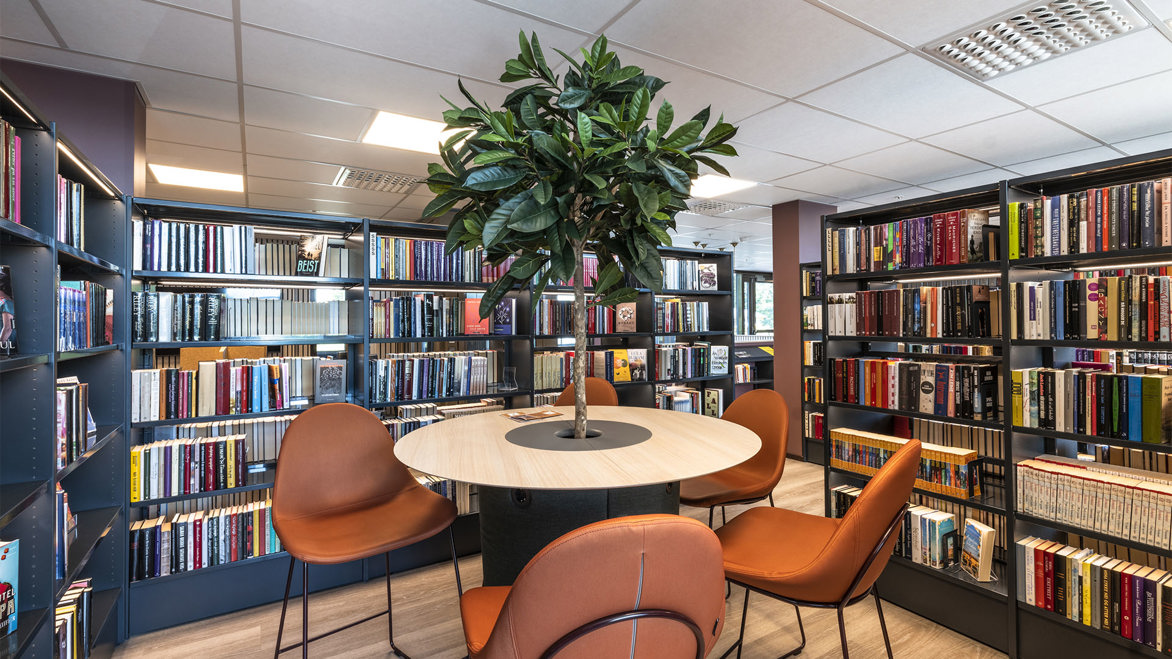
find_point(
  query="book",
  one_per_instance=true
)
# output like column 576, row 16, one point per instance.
column 719, row 360
column 7, row 312
column 676, row 315
column 637, row 358
column 504, row 316
column 9, row 585
column 473, row 323
column 625, row 318
column 977, row 550
column 713, row 402
column 531, row 416
column 330, row 381
column 707, row 276
column 311, row 259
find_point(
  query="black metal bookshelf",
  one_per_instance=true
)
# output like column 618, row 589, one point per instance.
column 812, row 444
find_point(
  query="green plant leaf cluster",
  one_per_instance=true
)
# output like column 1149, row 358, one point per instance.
column 573, row 163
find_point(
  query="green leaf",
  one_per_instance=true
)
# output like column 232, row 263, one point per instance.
column 610, row 275
column 658, row 232
column 573, row 97
column 720, row 133
column 489, row 157
column 683, row 136
column 526, row 51
column 703, row 115
column 677, row 178
column 492, row 178
column 495, row 294
column 598, row 49
column 648, row 200
column 717, row 167
column 496, row 227
column 585, row 129
column 663, row 120
column 471, row 99
column 722, row 149
column 531, row 217
column 596, row 180
column 640, row 105
column 552, row 149
column 526, row 266
column 619, row 296
column 539, row 57
column 529, row 115
column 543, row 192
column 456, row 233
column 443, row 203
column 622, row 74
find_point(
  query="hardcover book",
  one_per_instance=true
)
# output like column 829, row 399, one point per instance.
column 504, row 316
column 9, row 584
column 707, row 276
column 330, row 378
column 637, row 357
column 7, row 312
column 625, row 317
column 977, row 550
column 719, row 360
column 473, row 323
column 311, row 260
column 713, row 402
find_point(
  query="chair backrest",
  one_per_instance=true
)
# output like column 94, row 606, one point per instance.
column 598, row 392
column 764, row 412
column 644, row 562
column 830, row 575
column 335, row 457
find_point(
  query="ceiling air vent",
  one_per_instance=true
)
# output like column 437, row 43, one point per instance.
column 713, row 206
column 371, row 179
column 1034, row 33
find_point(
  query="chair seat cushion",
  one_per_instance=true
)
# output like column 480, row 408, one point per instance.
column 722, row 487
column 479, row 609
column 769, row 548
column 405, row 518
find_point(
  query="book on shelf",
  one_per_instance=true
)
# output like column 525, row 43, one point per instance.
column 966, row 391
column 959, row 349
column 464, row 495
column 813, row 352
column 1124, row 308
column 223, row 386
column 70, row 213
column 925, row 311
column 707, row 276
column 684, row 274
column 418, row 259
column 674, row 361
column 812, row 317
column 74, row 612
column 987, row 442
column 83, row 310
column 329, row 381
column 504, row 316
column 177, row 467
column 549, row 398
column 75, row 428
column 9, row 585
column 812, row 389
column 976, row 556
column 927, row 536
column 625, row 317
column 556, row 317
column 744, row 373
column 719, row 359
column 554, row 369
column 311, row 255
column 7, row 312
column 10, row 173
column 944, row 470
column 713, row 402
column 679, row 398
column 1135, row 406
column 948, row 238
column 65, row 531
column 180, row 317
column 407, row 376
column 473, row 323
column 262, row 436
column 811, row 282
column 1134, row 215
column 813, row 424
column 407, row 418
column 676, row 315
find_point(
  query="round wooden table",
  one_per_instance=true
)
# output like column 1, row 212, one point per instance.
column 535, row 486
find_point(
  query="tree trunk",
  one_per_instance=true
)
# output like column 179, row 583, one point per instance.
column 579, row 344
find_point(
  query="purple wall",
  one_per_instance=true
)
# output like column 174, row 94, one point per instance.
column 104, row 117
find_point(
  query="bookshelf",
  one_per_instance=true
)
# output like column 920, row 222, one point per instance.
column 29, row 470
column 813, row 286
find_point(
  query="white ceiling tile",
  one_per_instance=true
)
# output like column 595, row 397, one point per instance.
column 187, row 129
column 797, row 130
column 1124, row 58
column 919, row 21
column 302, row 114
column 314, row 206
column 148, row 33
column 286, row 188
column 194, row 157
column 752, row 229
column 417, row 31
column 1146, row 144
column 902, row 194
column 1000, row 141
column 986, row 177
column 690, row 91
column 835, row 182
column 286, row 63
column 750, row 213
column 762, row 194
column 912, row 162
column 417, row 200
column 589, row 16
column 281, row 144
column 406, row 215
column 217, row 7
column 777, row 45
column 848, row 206
column 194, row 195
column 165, row 89
column 1074, row 159
column 695, row 221
column 754, row 164
column 18, row 20
column 911, row 96
column 1122, row 112
column 291, row 169
column 1162, row 8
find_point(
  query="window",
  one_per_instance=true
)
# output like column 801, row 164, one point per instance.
column 754, row 302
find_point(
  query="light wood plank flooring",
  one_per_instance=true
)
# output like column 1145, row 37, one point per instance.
column 427, row 620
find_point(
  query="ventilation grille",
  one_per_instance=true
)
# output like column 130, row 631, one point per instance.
column 714, row 206
column 1034, row 34
column 371, row 179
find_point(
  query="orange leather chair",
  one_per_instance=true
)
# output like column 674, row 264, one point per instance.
column 340, row 495
column 808, row 560
column 609, row 589
column 598, row 392
column 764, row 412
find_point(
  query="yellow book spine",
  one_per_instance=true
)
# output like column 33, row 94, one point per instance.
column 135, row 471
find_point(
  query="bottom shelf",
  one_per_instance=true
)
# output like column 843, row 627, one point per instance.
column 27, row 626
column 1044, row 633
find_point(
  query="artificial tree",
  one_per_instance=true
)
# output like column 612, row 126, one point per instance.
column 568, row 166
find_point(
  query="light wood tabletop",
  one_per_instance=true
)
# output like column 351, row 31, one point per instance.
column 491, row 449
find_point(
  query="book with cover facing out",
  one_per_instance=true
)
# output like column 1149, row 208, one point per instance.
column 504, row 316
column 625, row 317
column 977, row 550
column 473, row 323
column 719, row 360
column 311, row 259
column 707, row 276
column 330, row 381
column 637, row 358
column 7, row 312
column 9, row 584
column 713, row 402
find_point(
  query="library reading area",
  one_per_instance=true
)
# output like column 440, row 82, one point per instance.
column 514, row 329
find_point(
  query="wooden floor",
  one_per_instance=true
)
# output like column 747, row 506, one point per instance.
column 427, row 620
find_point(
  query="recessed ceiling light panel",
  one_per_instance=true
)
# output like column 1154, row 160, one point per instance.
column 1034, row 34
column 399, row 131
column 712, row 185
column 197, row 178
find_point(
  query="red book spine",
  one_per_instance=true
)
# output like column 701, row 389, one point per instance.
column 222, row 379
column 209, row 466
column 197, row 548
column 1092, row 418
column 1125, row 603
column 1040, row 576
column 1048, row 576
column 187, row 468
column 1153, row 325
column 241, row 468
column 953, row 237
column 262, row 535
column 234, row 537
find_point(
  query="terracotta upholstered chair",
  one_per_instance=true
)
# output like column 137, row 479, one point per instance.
column 598, row 392
column 808, row 560
column 764, row 412
column 647, row 586
column 340, row 495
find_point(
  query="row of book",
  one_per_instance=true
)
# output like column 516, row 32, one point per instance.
column 812, row 389
column 1126, row 456
column 942, row 239
column 75, row 429
column 85, row 315
column 1133, row 504
column 226, row 386
column 675, row 361
column 70, row 212
column 813, row 424
column 960, row 349
column 924, row 311
column 464, row 495
column 409, row 376
column 73, row 621
column 262, row 436
column 1129, row 308
column 676, row 315
column 813, row 352
column 554, row 369
column 812, row 317
column 183, row 317
column 1127, row 216
column 433, row 315
column 64, row 531
column 418, row 259
column 744, row 373
column 408, row 418
column 811, row 283
column 556, row 317
column 176, row 467
column 943, row 470
column 548, row 398
column 680, row 398
column 1129, row 406
column 966, row 391
column 1122, row 361
column 1114, row 595
column 184, row 542
column 987, row 442
column 688, row 275
column 10, row 179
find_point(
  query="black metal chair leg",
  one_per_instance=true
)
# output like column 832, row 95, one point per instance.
column 455, row 561
column 304, row 610
column 723, row 517
column 801, row 630
column 741, row 638
column 284, row 606
column 711, row 509
column 390, row 612
column 771, row 500
column 882, row 622
column 842, row 634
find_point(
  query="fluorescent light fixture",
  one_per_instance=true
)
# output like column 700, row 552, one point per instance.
column 399, row 131
column 1123, row 266
column 713, row 185
column 197, row 178
column 993, row 275
column 19, row 106
column 85, row 168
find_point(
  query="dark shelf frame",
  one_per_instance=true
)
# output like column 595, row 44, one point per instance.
column 1113, row 260
column 468, row 338
column 982, row 269
column 18, row 361
column 66, row 355
column 293, row 340
column 11, row 232
column 928, row 356
column 76, row 257
column 218, row 417
column 990, row 494
column 142, row 583
column 265, row 481
column 1082, row 343
column 952, row 340
column 15, row 498
column 92, row 527
column 1093, row 439
column 179, row 278
column 994, row 425
column 106, row 435
column 1076, row 530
